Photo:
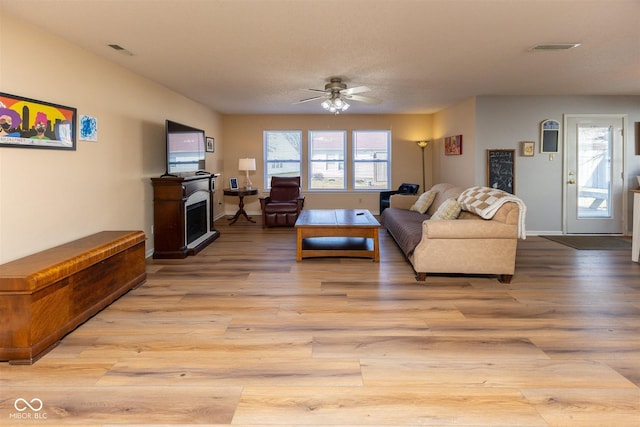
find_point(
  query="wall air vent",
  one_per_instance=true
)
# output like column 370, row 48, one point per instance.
column 120, row 49
column 555, row 46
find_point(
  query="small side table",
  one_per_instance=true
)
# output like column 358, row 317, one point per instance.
column 240, row 193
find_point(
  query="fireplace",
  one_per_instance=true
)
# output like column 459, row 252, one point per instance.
column 196, row 219
column 183, row 213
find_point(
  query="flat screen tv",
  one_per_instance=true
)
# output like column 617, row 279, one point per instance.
column 185, row 149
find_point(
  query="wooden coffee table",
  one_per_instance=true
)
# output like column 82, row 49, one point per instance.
column 337, row 233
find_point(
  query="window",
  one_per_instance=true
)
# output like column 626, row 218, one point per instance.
column 326, row 160
column 327, row 167
column 371, row 159
column 282, row 154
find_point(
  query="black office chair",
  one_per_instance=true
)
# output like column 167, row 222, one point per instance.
column 404, row 188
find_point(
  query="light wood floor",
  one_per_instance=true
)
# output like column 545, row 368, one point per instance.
column 242, row 334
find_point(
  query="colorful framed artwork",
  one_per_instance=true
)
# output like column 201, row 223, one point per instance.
column 28, row 123
column 210, row 145
column 528, row 148
column 453, row 145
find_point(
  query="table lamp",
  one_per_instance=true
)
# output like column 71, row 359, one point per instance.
column 247, row 165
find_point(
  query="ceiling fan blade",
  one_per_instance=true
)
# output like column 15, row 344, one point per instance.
column 365, row 99
column 310, row 99
column 318, row 90
column 354, row 90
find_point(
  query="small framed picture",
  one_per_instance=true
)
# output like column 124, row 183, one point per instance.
column 453, row 145
column 233, row 183
column 211, row 145
column 528, row 148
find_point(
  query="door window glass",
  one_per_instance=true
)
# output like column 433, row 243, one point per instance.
column 594, row 171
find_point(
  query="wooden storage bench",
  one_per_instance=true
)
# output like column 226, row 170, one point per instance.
column 46, row 295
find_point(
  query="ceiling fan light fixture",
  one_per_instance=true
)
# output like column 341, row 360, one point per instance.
column 335, row 96
column 335, row 104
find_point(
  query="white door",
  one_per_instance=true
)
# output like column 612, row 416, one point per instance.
column 594, row 184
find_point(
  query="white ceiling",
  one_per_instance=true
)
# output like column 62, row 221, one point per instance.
column 418, row 56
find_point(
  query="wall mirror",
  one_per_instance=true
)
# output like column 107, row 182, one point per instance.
column 549, row 136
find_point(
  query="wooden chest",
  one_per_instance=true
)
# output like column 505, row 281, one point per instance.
column 46, row 295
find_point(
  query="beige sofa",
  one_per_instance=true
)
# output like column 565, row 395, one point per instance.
column 467, row 245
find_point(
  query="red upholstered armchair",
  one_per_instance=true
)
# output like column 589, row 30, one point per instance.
column 283, row 205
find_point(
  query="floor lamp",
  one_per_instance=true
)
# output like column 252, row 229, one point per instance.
column 422, row 145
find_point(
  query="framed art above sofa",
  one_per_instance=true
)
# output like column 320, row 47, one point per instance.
column 453, row 145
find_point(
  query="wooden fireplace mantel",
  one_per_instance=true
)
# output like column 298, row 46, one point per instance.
column 171, row 196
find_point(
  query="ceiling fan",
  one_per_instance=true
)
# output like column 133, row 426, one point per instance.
column 335, row 95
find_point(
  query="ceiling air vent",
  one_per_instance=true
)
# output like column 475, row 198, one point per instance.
column 555, row 46
column 120, row 49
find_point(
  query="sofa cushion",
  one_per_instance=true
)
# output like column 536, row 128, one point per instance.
column 281, row 207
column 405, row 226
column 444, row 191
column 450, row 209
column 424, row 201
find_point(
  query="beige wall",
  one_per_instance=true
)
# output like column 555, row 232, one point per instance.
column 243, row 136
column 49, row 197
column 459, row 119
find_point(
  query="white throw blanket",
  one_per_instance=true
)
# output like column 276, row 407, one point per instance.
column 485, row 202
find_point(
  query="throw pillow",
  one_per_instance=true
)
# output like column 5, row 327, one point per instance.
column 424, row 201
column 450, row 209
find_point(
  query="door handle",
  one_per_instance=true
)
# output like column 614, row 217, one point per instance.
column 572, row 181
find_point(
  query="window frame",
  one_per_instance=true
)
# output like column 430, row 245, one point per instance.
column 311, row 161
column 267, row 160
column 355, row 159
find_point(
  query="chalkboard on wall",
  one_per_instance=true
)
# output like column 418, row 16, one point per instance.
column 501, row 170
